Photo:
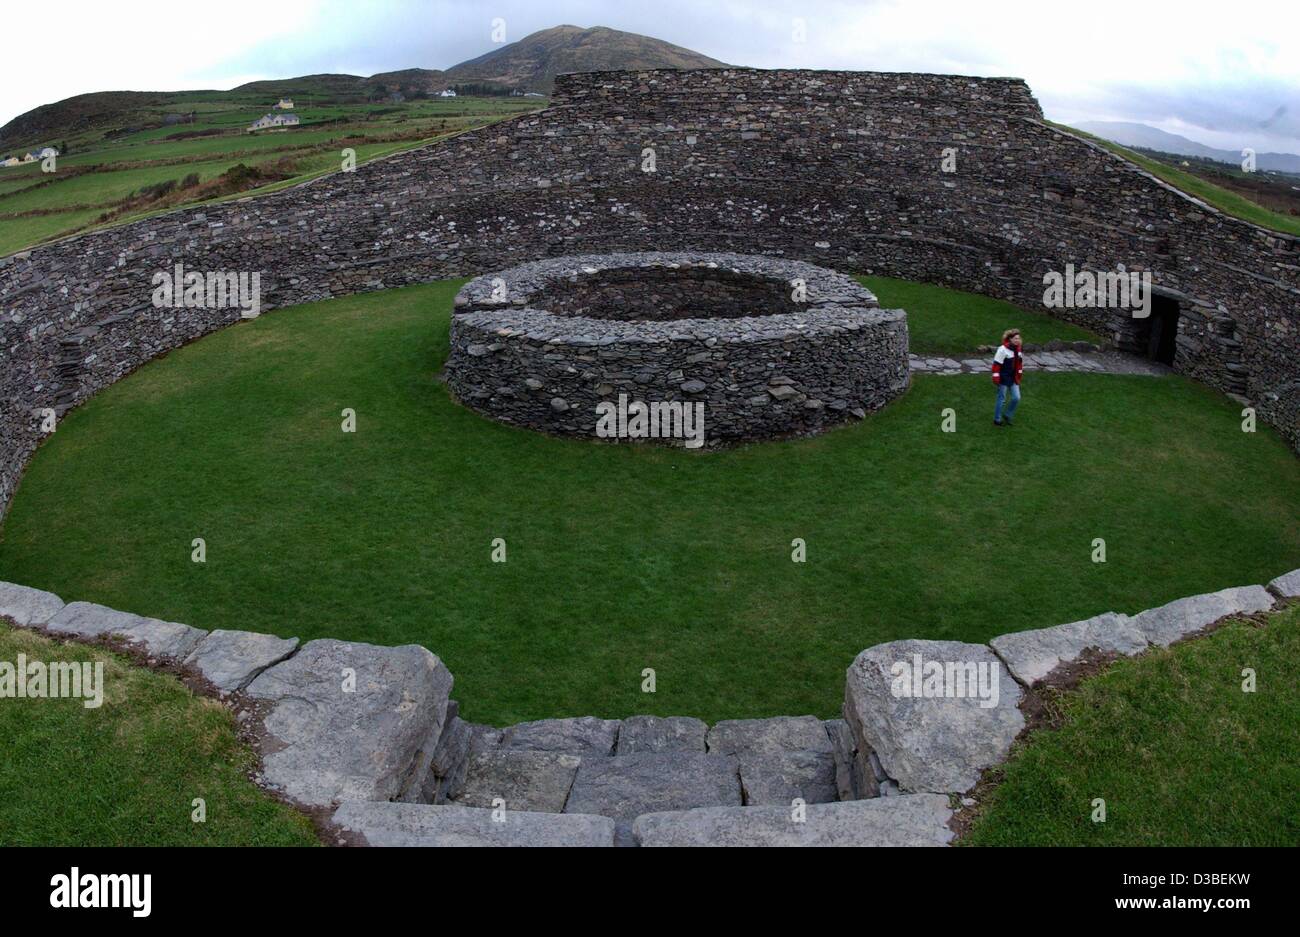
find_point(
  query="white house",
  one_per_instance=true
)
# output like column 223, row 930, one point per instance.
column 447, row 93
column 11, row 161
column 285, row 104
column 275, row 120
column 29, row 158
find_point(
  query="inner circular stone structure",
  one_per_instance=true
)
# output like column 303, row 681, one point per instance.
column 679, row 348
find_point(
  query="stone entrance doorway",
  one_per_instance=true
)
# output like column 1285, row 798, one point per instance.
column 1157, row 335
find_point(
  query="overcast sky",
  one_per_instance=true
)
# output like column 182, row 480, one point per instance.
column 1226, row 74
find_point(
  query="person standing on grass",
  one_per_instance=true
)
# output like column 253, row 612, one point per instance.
column 1008, row 364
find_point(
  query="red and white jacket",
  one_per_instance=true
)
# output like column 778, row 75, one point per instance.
column 1008, row 365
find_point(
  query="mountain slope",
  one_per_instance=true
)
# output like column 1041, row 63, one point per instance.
column 1152, row 138
column 77, row 114
column 532, row 63
column 306, row 84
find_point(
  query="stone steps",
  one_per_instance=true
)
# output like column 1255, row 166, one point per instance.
column 906, row 820
column 644, row 764
column 373, row 729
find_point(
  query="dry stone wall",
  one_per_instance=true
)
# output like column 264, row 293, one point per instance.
column 843, row 169
column 681, row 348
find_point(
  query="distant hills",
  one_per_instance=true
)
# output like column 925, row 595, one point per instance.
column 529, row 64
column 1143, row 137
column 411, row 82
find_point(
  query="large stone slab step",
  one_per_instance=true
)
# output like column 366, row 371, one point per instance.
column 30, row 608
column 1168, row 623
column 1032, row 655
column 933, row 729
column 391, row 824
column 626, row 786
column 351, row 721
column 1286, row 586
column 163, row 639
column 769, row 736
column 582, row 735
column 231, row 660
column 642, row 734
column 906, row 820
column 519, row 779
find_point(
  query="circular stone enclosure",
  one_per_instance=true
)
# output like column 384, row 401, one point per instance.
column 680, row 348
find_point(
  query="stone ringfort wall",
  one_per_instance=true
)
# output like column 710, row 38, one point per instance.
column 838, row 168
column 545, row 344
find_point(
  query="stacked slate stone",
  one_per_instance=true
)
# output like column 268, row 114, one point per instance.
column 543, row 345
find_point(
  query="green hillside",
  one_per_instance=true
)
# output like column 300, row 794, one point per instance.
column 1230, row 203
column 145, row 154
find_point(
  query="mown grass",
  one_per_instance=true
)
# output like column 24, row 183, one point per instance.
column 1169, row 740
column 627, row 558
column 951, row 322
column 128, row 773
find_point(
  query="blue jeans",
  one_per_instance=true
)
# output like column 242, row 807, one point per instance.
column 1004, row 391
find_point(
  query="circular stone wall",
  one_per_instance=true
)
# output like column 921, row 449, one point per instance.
column 654, row 345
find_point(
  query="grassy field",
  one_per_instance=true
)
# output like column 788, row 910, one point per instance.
column 1180, row 754
column 127, row 773
column 622, row 558
column 1230, row 203
column 103, row 178
column 950, row 322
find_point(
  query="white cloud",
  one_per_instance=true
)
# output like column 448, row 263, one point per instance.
column 141, row 45
column 1162, row 63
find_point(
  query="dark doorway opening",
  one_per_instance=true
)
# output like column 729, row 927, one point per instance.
column 1157, row 335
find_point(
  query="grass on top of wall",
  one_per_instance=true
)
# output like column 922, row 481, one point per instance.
column 128, row 772
column 622, row 558
column 948, row 322
column 1169, row 740
column 1230, row 203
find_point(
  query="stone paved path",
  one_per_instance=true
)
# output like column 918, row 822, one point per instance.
column 1099, row 362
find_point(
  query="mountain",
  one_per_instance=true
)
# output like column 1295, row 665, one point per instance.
column 532, row 63
column 1140, row 136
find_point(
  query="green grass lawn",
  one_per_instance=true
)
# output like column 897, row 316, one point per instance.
column 128, row 772
column 949, row 322
column 1180, row 754
column 623, row 558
